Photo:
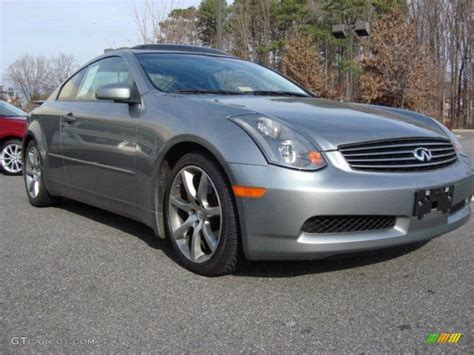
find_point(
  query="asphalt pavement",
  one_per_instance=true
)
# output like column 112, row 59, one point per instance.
column 75, row 278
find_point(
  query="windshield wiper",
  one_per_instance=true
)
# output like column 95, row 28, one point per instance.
column 276, row 93
column 211, row 92
column 227, row 92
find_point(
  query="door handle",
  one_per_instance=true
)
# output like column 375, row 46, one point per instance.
column 69, row 118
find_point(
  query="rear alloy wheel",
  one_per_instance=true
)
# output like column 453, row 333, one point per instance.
column 34, row 180
column 201, row 217
column 10, row 157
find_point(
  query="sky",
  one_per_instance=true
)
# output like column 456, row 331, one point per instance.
column 83, row 28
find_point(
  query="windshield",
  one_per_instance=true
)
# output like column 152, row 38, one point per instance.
column 200, row 74
column 9, row 110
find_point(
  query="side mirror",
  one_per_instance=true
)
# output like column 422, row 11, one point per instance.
column 117, row 93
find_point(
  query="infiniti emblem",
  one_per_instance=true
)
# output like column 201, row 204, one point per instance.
column 423, row 154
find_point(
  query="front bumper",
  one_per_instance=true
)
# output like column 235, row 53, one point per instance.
column 272, row 226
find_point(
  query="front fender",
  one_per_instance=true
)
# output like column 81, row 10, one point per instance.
column 153, row 200
column 168, row 121
column 198, row 141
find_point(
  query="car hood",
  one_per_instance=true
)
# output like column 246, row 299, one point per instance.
column 332, row 123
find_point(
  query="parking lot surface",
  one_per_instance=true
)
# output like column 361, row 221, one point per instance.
column 75, row 278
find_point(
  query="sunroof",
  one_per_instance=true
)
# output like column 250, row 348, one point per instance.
column 180, row 48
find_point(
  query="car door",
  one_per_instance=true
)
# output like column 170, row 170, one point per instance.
column 98, row 137
column 49, row 117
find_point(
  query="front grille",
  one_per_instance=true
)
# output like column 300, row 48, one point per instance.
column 457, row 207
column 347, row 224
column 397, row 155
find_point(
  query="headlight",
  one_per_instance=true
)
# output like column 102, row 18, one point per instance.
column 280, row 144
column 457, row 145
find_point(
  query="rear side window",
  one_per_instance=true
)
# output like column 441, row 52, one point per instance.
column 68, row 92
column 107, row 71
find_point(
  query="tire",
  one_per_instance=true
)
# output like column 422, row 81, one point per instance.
column 10, row 157
column 33, row 176
column 201, row 217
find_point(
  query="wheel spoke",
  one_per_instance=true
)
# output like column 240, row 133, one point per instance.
column 37, row 161
column 213, row 211
column 187, row 179
column 7, row 153
column 36, row 188
column 182, row 230
column 31, row 185
column 203, row 190
column 178, row 202
column 208, row 235
column 31, row 158
column 196, row 250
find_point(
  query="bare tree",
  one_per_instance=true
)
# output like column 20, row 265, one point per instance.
column 180, row 27
column 37, row 76
column 31, row 76
column 61, row 67
column 396, row 72
column 460, row 58
column 239, row 29
column 250, row 30
column 262, row 30
column 148, row 17
column 445, row 27
column 301, row 62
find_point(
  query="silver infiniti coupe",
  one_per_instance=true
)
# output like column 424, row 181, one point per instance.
column 230, row 160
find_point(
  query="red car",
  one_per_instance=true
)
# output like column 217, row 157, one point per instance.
column 12, row 128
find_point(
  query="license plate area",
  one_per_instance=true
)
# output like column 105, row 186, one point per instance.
column 440, row 199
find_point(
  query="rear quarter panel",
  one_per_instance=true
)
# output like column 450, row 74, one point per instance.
column 12, row 127
column 44, row 128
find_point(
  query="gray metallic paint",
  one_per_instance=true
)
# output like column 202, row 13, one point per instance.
column 273, row 224
column 112, row 157
column 331, row 123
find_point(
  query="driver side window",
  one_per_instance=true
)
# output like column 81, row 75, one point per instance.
column 112, row 70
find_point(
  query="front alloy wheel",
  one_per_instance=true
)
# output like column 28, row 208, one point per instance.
column 200, row 216
column 195, row 214
column 10, row 157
